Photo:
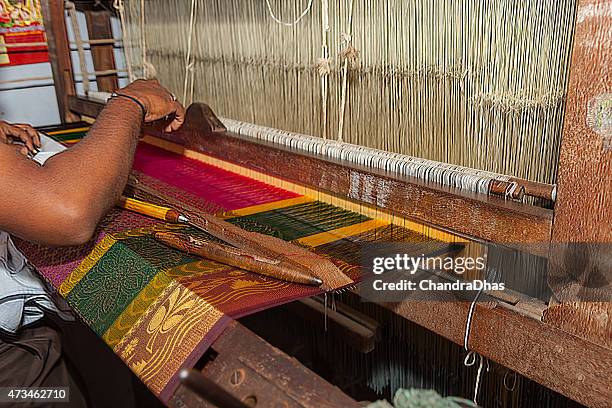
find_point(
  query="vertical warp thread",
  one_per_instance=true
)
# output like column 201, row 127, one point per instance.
column 120, row 7
column 349, row 55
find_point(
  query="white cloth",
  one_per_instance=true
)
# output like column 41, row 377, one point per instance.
column 24, row 298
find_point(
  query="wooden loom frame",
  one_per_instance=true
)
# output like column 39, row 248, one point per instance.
column 555, row 358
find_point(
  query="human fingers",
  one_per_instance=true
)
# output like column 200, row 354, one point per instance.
column 32, row 132
column 18, row 133
column 179, row 117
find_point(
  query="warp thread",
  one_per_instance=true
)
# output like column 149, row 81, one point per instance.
column 294, row 22
column 427, row 72
column 189, row 65
column 120, row 7
column 349, row 55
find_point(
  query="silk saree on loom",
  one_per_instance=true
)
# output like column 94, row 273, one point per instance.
column 159, row 309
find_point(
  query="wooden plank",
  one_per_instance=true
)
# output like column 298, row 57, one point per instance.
column 254, row 371
column 350, row 326
column 99, row 28
column 59, row 56
column 471, row 214
column 85, row 107
column 558, row 360
column 584, row 205
column 583, row 212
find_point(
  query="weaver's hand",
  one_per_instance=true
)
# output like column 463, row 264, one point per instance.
column 157, row 101
column 10, row 133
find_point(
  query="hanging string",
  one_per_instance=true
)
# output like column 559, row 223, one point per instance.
column 349, row 54
column 491, row 275
column 76, row 30
column 323, row 65
column 120, row 7
column 297, row 20
column 148, row 70
column 469, row 361
column 189, row 65
column 420, row 80
column 470, row 358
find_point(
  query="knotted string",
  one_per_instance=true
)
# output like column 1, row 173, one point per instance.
column 323, row 65
column 120, row 7
column 349, row 55
column 189, row 65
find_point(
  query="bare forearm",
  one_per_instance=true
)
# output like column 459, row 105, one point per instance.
column 61, row 202
column 95, row 171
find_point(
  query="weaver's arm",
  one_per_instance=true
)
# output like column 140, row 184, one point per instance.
column 62, row 202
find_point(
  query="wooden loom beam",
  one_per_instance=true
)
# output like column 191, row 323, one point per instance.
column 476, row 215
column 585, row 166
column 59, row 56
column 257, row 373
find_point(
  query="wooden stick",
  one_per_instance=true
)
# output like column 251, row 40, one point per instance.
column 151, row 210
column 239, row 258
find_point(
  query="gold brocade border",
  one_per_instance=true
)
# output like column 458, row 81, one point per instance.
column 139, row 305
column 158, row 344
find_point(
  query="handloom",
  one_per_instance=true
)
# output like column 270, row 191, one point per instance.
column 159, row 308
column 486, row 119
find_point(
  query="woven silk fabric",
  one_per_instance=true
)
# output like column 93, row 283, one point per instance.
column 159, row 309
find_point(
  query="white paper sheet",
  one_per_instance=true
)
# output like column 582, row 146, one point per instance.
column 48, row 149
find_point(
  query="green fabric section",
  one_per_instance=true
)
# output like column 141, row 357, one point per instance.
column 299, row 221
column 110, row 286
column 155, row 253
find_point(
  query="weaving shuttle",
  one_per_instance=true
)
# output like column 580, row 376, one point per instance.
column 239, row 258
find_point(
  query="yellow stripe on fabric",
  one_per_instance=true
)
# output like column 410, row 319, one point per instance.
column 340, row 233
column 68, row 131
column 86, row 264
column 254, row 209
column 136, row 308
column 361, row 208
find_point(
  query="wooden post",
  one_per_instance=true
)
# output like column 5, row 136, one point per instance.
column 583, row 212
column 59, row 56
column 99, row 28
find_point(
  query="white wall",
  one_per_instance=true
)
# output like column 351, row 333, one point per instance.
column 35, row 101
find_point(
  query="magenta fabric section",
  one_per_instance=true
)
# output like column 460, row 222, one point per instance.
column 226, row 189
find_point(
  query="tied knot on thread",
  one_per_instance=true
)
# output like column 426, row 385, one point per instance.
column 323, row 66
column 349, row 53
column 469, row 361
column 118, row 5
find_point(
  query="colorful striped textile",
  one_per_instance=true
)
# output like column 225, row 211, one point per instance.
column 159, row 309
